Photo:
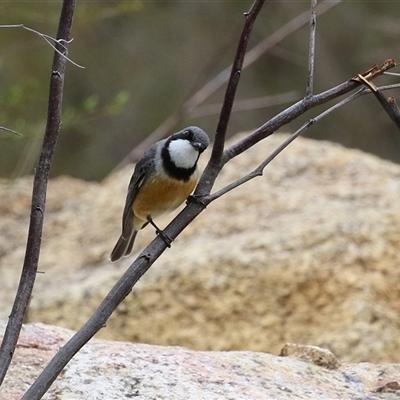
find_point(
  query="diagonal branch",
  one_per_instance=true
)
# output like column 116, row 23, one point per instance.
column 123, row 287
column 226, row 110
column 259, row 170
column 216, row 161
column 299, row 108
column 395, row 110
column 39, row 191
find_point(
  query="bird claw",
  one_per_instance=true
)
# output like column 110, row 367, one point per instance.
column 159, row 232
column 197, row 199
column 165, row 237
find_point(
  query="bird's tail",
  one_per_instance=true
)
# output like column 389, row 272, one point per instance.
column 123, row 247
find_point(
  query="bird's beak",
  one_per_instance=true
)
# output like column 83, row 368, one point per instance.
column 200, row 147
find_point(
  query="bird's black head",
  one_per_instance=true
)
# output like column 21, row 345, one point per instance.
column 194, row 135
column 182, row 150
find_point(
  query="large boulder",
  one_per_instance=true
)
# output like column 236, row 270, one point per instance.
column 116, row 370
column 307, row 253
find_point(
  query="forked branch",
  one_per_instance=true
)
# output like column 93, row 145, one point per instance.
column 299, row 108
column 260, row 169
column 189, row 107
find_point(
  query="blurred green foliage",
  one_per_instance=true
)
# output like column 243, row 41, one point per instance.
column 143, row 59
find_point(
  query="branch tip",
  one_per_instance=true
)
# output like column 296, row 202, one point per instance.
column 375, row 70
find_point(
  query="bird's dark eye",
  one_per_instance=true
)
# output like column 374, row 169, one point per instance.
column 186, row 133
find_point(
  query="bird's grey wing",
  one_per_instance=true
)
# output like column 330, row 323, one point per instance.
column 144, row 166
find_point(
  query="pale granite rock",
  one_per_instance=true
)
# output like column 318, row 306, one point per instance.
column 117, row 370
column 312, row 354
column 308, row 254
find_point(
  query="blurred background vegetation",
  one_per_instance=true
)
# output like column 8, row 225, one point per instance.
column 143, row 59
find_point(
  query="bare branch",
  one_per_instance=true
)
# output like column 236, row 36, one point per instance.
column 10, row 130
column 361, row 92
column 158, row 246
column 48, row 39
column 216, row 161
column 392, row 73
column 233, row 82
column 285, row 30
column 247, row 104
column 300, row 108
column 311, row 51
column 376, row 70
column 388, row 104
column 259, row 170
column 29, row 270
column 395, row 108
column 186, row 110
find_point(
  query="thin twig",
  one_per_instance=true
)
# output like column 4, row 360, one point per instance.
column 385, row 87
column 247, row 104
column 10, row 130
column 226, row 110
column 292, row 26
column 216, row 161
column 189, row 106
column 260, row 169
column 31, row 260
column 48, row 39
column 311, row 50
column 392, row 73
column 361, row 92
column 149, row 255
column 299, row 108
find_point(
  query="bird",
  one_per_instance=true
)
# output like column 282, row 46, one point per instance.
column 162, row 180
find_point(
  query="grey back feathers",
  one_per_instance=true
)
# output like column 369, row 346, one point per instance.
column 174, row 158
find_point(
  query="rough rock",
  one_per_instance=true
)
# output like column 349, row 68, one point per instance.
column 308, row 254
column 313, row 354
column 116, row 370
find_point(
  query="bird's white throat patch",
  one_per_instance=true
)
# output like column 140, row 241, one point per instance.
column 182, row 153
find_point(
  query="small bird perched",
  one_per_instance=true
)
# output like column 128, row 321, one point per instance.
column 163, row 179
